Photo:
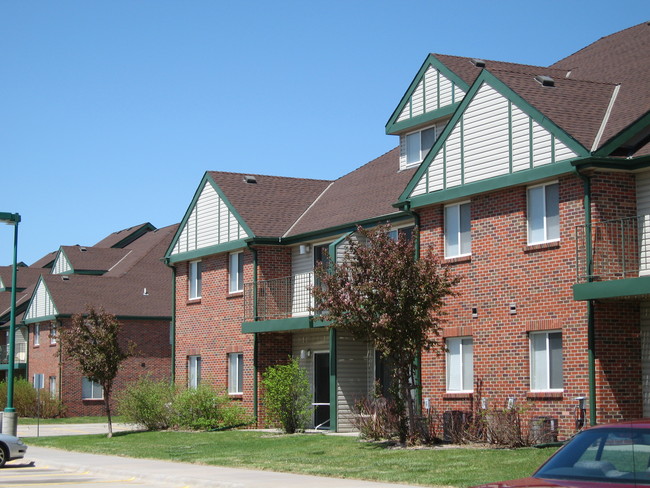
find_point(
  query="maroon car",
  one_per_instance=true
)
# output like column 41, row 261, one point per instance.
column 612, row 455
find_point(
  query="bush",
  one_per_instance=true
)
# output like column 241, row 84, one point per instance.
column 147, row 403
column 202, row 408
column 375, row 418
column 287, row 396
column 28, row 403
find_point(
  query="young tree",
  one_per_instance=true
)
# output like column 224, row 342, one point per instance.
column 383, row 294
column 93, row 342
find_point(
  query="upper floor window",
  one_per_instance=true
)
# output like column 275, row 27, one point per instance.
column 91, row 390
column 460, row 364
column 195, row 279
column 546, row 361
column 458, row 236
column 52, row 333
column 544, row 213
column 37, row 334
column 235, row 373
column 418, row 144
column 236, row 269
column 403, row 232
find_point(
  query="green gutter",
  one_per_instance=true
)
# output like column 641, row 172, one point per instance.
column 591, row 333
column 173, row 326
column 255, row 342
column 418, row 361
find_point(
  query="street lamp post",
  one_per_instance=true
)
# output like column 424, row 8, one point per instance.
column 9, row 420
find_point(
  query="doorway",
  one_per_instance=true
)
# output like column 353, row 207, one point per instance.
column 321, row 390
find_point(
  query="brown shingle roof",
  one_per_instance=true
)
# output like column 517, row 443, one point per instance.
column 83, row 258
column 272, row 204
column 365, row 193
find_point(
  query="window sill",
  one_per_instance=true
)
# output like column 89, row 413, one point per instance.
column 193, row 301
column 467, row 395
column 96, row 400
column 545, row 395
column 542, row 246
column 236, row 396
column 236, row 294
column 458, row 259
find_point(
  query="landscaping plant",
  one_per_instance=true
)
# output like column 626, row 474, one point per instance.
column 148, row 403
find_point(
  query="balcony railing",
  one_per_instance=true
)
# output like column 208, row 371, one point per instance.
column 619, row 249
column 20, row 353
column 279, row 298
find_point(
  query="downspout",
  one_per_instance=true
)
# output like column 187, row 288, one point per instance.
column 172, row 331
column 418, row 361
column 255, row 341
column 591, row 332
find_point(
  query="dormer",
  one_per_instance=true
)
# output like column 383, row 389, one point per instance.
column 424, row 110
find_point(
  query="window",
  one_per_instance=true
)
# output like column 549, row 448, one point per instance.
column 403, row 232
column 193, row 371
column 52, row 383
column 235, row 373
column 52, row 333
column 543, row 213
column 236, row 272
column 38, row 381
column 195, row 279
column 458, row 236
column 546, row 361
column 460, row 364
column 37, row 334
column 91, row 390
column 418, row 144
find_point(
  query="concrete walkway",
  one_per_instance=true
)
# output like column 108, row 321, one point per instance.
column 166, row 472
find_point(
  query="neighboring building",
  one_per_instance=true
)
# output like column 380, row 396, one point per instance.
column 122, row 274
column 530, row 181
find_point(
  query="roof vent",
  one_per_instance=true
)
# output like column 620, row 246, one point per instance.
column 65, row 278
column 545, row 80
column 479, row 63
column 250, row 179
column 83, row 249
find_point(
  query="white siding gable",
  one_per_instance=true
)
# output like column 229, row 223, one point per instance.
column 61, row 264
column 492, row 137
column 210, row 223
column 434, row 91
column 41, row 304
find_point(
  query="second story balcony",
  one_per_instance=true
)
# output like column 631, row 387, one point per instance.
column 20, row 353
column 613, row 259
column 279, row 298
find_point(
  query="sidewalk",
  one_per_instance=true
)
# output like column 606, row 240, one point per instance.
column 169, row 473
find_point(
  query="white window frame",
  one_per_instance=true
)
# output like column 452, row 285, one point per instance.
column 236, row 272
column 195, row 279
column 411, row 137
column 235, row 373
column 37, row 334
column 543, row 361
column 53, row 333
column 453, row 214
column 39, row 380
column 96, row 391
column 457, row 380
column 538, row 206
column 52, row 386
column 193, row 371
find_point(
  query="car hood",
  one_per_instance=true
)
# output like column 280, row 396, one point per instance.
column 545, row 483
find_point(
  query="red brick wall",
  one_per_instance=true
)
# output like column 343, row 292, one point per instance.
column 211, row 326
column 152, row 357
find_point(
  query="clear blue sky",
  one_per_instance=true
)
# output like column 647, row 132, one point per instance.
column 112, row 110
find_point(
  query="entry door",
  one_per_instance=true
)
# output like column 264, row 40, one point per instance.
column 645, row 357
column 322, row 390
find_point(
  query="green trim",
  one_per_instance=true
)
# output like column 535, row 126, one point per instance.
column 331, row 249
column 44, row 318
column 622, row 164
column 598, row 290
column 208, row 251
column 207, row 179
column 431, row 60
column 623, row 136
column 413, row 122
column 489, row 79
column 135, row 235
column 31, row 300
column 282, row 325
column 491, row 184
column 88, row 272
column 255, row 380
column 333, row 381
column 5, row 367
column 172, row 332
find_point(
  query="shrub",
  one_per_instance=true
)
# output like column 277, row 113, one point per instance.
column 28, row 403
column 287, row 396
column 375, row 418
column 147, row 403
column 202, row 408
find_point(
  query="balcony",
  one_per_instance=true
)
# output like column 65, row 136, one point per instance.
column 20, row 353
column 620, row 259
column 280, row 298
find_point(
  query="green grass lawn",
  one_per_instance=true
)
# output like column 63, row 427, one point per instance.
column 315, row 454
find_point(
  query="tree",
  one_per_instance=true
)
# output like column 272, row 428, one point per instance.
column 382, row 294
column 286, row 395
column 93, row 342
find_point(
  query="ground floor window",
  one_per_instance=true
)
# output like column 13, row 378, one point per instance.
column 193, row 371
column 91, row 390
column 460, row 364
column 38, row 381
column 52, row 383
column 546, row 361
column 235, row 373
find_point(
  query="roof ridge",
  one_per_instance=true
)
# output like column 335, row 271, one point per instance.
column 364, row 164
column 233, row 173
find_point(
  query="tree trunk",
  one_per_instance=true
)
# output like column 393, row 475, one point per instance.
column 107, row 404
